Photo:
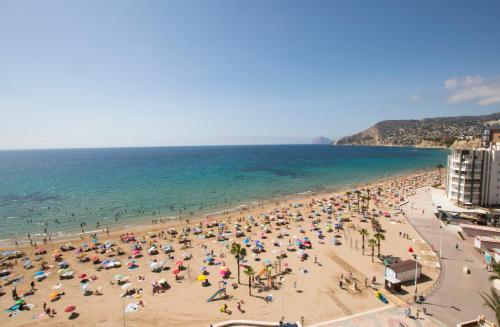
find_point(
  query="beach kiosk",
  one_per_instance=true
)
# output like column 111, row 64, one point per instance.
column 399, row 272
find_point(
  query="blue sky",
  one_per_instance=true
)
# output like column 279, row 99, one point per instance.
column 150, row 73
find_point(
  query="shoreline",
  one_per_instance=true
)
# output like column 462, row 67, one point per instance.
column 311, row 291
column 141, row 224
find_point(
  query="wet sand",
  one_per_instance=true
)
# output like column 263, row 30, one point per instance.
column 311, row 289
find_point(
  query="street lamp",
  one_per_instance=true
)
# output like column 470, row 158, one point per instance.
column 410, row 250
column 441, row 242
column 283, row 297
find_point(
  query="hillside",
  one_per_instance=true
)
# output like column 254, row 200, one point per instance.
column 321, row 140
column 428, row 132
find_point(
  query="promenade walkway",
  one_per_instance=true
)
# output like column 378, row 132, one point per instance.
column 389, row 315
column 457, row 296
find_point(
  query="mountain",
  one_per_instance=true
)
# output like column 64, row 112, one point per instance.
column 321, row 140
column 429, row 132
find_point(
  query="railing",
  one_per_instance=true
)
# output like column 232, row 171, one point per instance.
column 442, row 269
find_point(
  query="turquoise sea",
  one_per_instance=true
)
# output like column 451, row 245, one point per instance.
column 58, row 190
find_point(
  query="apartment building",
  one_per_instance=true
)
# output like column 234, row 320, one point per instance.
column 474, row 174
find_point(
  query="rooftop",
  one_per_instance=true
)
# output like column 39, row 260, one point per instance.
column 488, row 239
column 402, row 266
column 478, row 227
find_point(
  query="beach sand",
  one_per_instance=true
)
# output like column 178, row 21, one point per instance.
column 311, row 290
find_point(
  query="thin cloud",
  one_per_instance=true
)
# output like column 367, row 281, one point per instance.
column 414, row 98
column 473, row 88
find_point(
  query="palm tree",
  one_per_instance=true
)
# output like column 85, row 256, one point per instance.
column 379, row 237
column 348, row 201
column 363, row 232
column 492, row 301
column 439, row 167
column 239, row 253
column 372, row 243
column 249, row 272
column 358, row 194
column 496, row 271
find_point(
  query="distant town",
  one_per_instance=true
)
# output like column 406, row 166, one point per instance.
column 443, row 132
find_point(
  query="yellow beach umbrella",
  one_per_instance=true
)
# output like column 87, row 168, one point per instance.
column 201, row 278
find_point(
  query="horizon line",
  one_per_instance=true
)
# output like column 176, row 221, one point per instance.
column 155, row 146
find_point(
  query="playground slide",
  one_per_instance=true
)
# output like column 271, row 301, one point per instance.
column 215, row 294
column 261, row 272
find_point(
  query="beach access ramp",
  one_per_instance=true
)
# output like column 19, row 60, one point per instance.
column 217, row 293
column 253, row 323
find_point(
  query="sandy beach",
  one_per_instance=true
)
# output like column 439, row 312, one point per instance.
column 291, row 241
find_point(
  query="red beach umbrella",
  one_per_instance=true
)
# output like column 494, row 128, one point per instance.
column 71, row 308
column 179, row 263
column 410, row 250
column 176, row 271
column 82, row 275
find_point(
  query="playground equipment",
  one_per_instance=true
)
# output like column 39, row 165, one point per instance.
column 262, row 272
column 266, row 273
column 221, row 292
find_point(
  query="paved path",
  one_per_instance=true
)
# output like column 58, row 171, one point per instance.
column 389, row 315
column 457, row 299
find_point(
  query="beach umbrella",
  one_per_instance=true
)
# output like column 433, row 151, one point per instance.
column 118, row 276
column 53, row 295
column 39, row 273
column 82, row 275
column 155, row 265
column 62, row 271
column 179, row 263
column 136, row 251
column 71, row 308
column 176, row 271
column 201, row 278
column 162, row 281
column 126, row 286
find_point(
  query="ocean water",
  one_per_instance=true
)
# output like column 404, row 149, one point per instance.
column 58, row 190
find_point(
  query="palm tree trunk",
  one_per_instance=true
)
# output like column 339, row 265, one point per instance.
column 363, row 245
column 378, row 248
column 238, row 262
column 249, row 285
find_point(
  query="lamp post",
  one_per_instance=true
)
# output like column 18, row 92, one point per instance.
column 416, row 275
column 441, row 242
column 411, row 252
column 283, row 298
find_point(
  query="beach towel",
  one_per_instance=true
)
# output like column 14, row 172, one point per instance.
column 132, row 307
column 39, row 316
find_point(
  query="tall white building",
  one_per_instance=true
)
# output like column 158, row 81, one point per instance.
column 474, row 174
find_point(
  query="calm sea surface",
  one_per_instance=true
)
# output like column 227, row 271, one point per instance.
column 40, row 187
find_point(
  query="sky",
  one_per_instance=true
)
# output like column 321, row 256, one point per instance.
column 164, row 73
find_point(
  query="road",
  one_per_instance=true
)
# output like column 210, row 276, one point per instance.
column 457, row 299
